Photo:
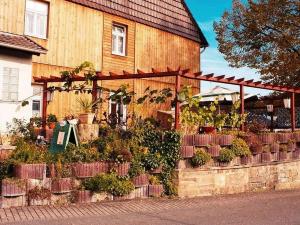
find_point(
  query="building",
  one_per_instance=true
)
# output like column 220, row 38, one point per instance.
column 116, row 36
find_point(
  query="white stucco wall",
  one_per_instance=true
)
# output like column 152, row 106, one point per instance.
column 10, row 110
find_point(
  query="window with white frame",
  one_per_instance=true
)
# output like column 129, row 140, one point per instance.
column 119, row 40
column 117, row 111
column 10, row 84
column 37, row 100
column 36, row 18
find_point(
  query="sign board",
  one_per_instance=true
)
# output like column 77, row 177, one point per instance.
column 62, row 136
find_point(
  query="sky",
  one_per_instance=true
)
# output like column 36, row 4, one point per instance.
column 212, row 61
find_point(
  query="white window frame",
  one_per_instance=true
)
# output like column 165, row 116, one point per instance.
column 118, row 108
column 37, row 97
column 6, row 80
column 118, row 34
column 35, row 13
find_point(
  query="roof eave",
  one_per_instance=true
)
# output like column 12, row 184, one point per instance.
column 34, row 52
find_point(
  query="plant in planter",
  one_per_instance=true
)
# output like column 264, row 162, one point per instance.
column 86, row 107
column 187, row 152
column 266, row 154
column 200, row 158
column 51, row 121
column 214, row 150
column 283, row 138
column 156, row 189
column 234, row 118
column 62, row 182
column 39, row 196
column 274, row 147
column 226, row 156
column 267, row 138
column 202, row 140
column 255, row 145
column 291, row 145
column 240, row 147
column 137, row 174
column 225, row 139
column 13, row 187
column 153, row 163
column 283, row 152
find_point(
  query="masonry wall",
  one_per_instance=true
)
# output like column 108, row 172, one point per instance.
column 232, row 180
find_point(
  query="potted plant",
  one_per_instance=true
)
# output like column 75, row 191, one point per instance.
column 214, row 150
column 200, row 158
column 202, row 140
column 225, row 139
column 283, row 152
column 39, row 196
column 156, row 189
column 241, row 149
column 266, row 154
column 225, row 157
column 12, row 187
column 51, row 121
column 86, row 107
column 153, row 163
column 62, row 182
column 283, row 138
column 188, row 140
column 291, row 145
column 137, row 173
column 187, row 152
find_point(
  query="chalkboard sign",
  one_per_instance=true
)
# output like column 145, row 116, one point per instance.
column 63, row 134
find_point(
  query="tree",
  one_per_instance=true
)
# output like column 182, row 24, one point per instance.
column 263, row 35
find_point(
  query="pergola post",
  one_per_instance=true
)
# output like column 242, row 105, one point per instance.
column 177, row 106
column 293, row 115
column 94, row 91
column 44, row 109
column 242, row 99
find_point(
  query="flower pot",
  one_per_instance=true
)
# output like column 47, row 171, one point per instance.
column 30, row 171
column 156, row 190
column 265, row 157
column 61, row 185
column 52, row 125
column 86, row 118
column 84, row 170
column 83, row 196
column 274, row 147
column 121, row 169
column 140, row 180
column 209, row 130
column 158, row 170
column 188, row 140
column 13, row 187
column 202, row 139
column 291, row 146
column 296, row 154
column 284, row 137
column 296, row 136
column 225, row 140
column 282, row 155
column 267, row 138
column 214, row 150
column 187, row 152
column 245, row 160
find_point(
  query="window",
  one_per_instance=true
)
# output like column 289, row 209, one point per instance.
column 37, row 100
column 119, row 40
column 117, row 112
column 10, row 84
column 36, row 18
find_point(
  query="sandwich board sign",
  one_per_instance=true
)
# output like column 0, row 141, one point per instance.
column 63, row 134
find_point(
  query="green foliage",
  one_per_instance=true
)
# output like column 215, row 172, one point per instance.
column 152, row 161
column 81, row 153
column 235, row 119
column 240, row 147
column 154, row 180
column 200, row 158
column 109, row 183
column 21, row 128
column 51, row 118
column 226, row 155
column 155, row 96
column 122, row 95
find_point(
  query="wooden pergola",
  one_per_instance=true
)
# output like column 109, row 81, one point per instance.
column 178, row 74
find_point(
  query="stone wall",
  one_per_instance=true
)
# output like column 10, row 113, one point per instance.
column 232, row 180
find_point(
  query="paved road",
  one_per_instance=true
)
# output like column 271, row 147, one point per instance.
column 268, row 208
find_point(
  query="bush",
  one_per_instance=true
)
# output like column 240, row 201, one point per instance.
column 226, row 155
column 153, row 180
column 152, row 161
column 200, row 158
column 20, row 128
column 240, row 147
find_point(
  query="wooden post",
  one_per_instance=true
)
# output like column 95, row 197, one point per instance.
column 242, row 99
column 94, row 90
column 293, row 115
column 177, row 106
column 44, row 111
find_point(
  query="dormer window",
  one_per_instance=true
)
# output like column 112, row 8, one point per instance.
column 119, row 40
column 36, row 18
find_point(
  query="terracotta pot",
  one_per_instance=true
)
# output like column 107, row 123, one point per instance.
column 296, row 154
column 61, row 185
column 214, row 150
column 188, row 140
column 157, row 170
column 86, row 118
column 30, row 171
column 83, row 196
column 225, row 139
column 156, row 190
column 12, row 188
column 267, row 138
column 245, row 160
column 140, row 180
column 202, row 139
column 121, row 169
column 209, row 130
column 284, row 137
column 296, row 136
column 282, row 155
column 84, row 170
column 274, row 147
column 265, row 157
column 52, row 125
column 291, row 147
column 187, row 152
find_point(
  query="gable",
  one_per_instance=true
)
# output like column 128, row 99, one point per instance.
column 169, row 15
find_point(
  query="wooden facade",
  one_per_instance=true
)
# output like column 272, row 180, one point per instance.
column 77, row 33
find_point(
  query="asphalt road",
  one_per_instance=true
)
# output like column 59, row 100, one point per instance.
column 265, row 208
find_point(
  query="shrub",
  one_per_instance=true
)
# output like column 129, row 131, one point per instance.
column 118, row 150
column 240, row 147
column 152, row 161
column 51, row 118
column 80, row 153
column 226, row 155
column 200, row 158
column 20, row 128
column 153, row 180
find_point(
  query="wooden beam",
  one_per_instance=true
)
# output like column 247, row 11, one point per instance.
column 231, row 78
column 185, row 71
column 198, row 74
column 140, row 71
column 293, row 113
column 220, row 77
column 113, row 74
column 249, row 81
column 242, row 99
column 155, row 71
column 209, row 75
column 125, row 72
column 240, row 80
column 177, row 106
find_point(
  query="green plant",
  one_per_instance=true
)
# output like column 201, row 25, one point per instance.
column 235, row 119
column 240, row 147
column 136, row 168
column 21, row 128
column 119, row 151
column 200, row 158
column 51, row 118
column 226, row 155
column 86, row 105
column 81, row 153
column 36, row 121
column 153, row 180
column 152, row 161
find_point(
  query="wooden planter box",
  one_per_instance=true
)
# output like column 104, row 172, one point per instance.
column 291, row 147
column 121, row 169
column 296, row 136
column 225, row 139
column 284, row 137
column 140, row 180
column 156, row 190
column 13, row 187
column 30, row 171
column 282, row 156
column 246, row 160
column 267, row 138
column 257, row 149
column 85, row 170
column 61, row 185
column 256, row 159
column 296, row 154
column 214, row 150
column 202, row 139
column 157, row 170
column 187, row 152
column 188, row 140
column 82, row 196
column 275, row 156
column 274, row 147
column 265, row 157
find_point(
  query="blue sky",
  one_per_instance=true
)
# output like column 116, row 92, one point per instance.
column 212, row 61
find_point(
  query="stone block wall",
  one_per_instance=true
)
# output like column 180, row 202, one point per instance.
column 239, row 179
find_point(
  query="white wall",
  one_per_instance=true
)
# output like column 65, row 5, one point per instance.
column 10, row 110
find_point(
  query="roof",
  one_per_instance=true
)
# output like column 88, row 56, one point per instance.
column 169, row 15
column 20, row 42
